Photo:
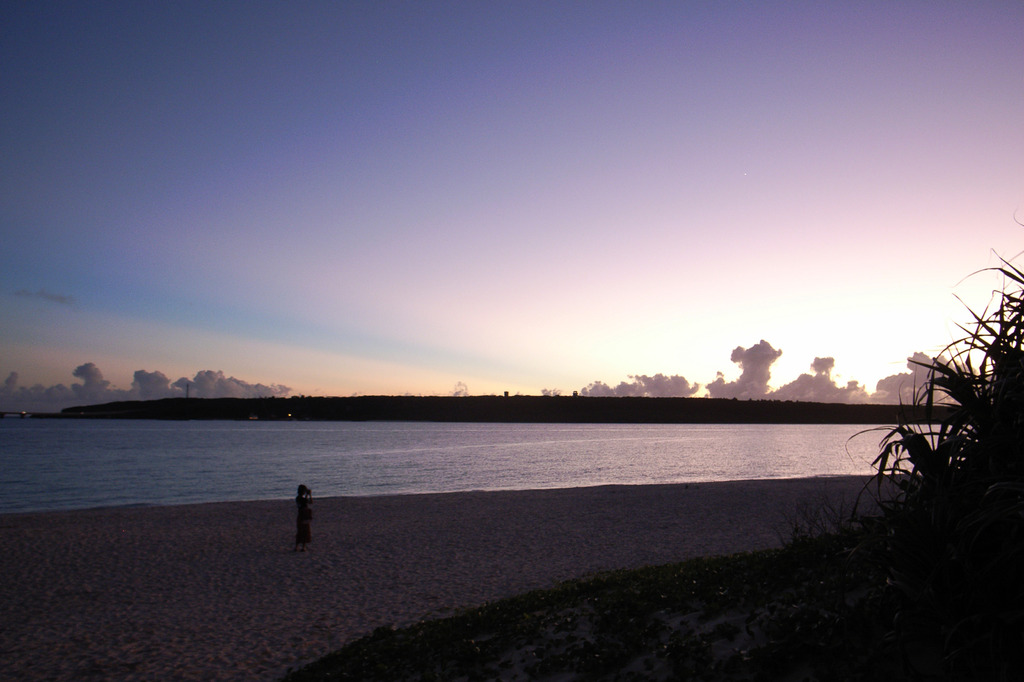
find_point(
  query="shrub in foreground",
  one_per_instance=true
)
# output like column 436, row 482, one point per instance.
column 953, row 538
column 805, row 610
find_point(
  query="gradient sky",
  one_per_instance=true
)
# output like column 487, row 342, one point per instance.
column 383, row 198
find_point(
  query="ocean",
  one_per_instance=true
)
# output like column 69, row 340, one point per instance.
column 77, row 464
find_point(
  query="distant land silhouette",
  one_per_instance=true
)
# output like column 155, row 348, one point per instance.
column 525, row 409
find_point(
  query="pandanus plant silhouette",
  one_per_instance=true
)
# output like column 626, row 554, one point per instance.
column 952, row 537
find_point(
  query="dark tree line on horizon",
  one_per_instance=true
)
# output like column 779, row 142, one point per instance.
column 512, row 409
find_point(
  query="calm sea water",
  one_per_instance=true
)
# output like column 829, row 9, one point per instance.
column 76, row 464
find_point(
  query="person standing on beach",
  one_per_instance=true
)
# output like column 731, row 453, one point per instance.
column 303, row 532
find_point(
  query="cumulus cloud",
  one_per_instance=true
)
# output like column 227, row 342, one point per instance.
column 644, row 386
column 211, row 384
column 461, row 390
column 901, row 388
column 755, row 365
column 94, row 389
column 14, row 398
column 151, row 385
column 820, row 387
column 823, row 366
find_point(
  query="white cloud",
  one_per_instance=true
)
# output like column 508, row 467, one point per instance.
column 214, row 384
column 755, row 363
column 94, row 389
column 151, row 385
column 820, row 387
column 657, row 386
column 901, row 388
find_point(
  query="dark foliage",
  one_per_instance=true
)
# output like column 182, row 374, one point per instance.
column 534, row 409
column 807, row 610
column 952, row 540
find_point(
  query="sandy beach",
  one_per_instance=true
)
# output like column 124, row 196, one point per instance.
column 215, row 592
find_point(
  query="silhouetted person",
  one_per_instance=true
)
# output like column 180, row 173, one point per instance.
column 303, row 532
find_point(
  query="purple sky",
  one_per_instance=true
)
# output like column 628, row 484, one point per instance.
column 382, row 198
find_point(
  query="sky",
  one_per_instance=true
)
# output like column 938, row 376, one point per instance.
column 707, row 198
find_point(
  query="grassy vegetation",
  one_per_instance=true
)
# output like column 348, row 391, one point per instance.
column 806, row 610
column 932, row 588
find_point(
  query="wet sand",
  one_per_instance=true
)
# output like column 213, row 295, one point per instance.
column 216, row 592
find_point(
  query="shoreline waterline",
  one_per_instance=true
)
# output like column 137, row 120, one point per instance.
column 413, row 494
